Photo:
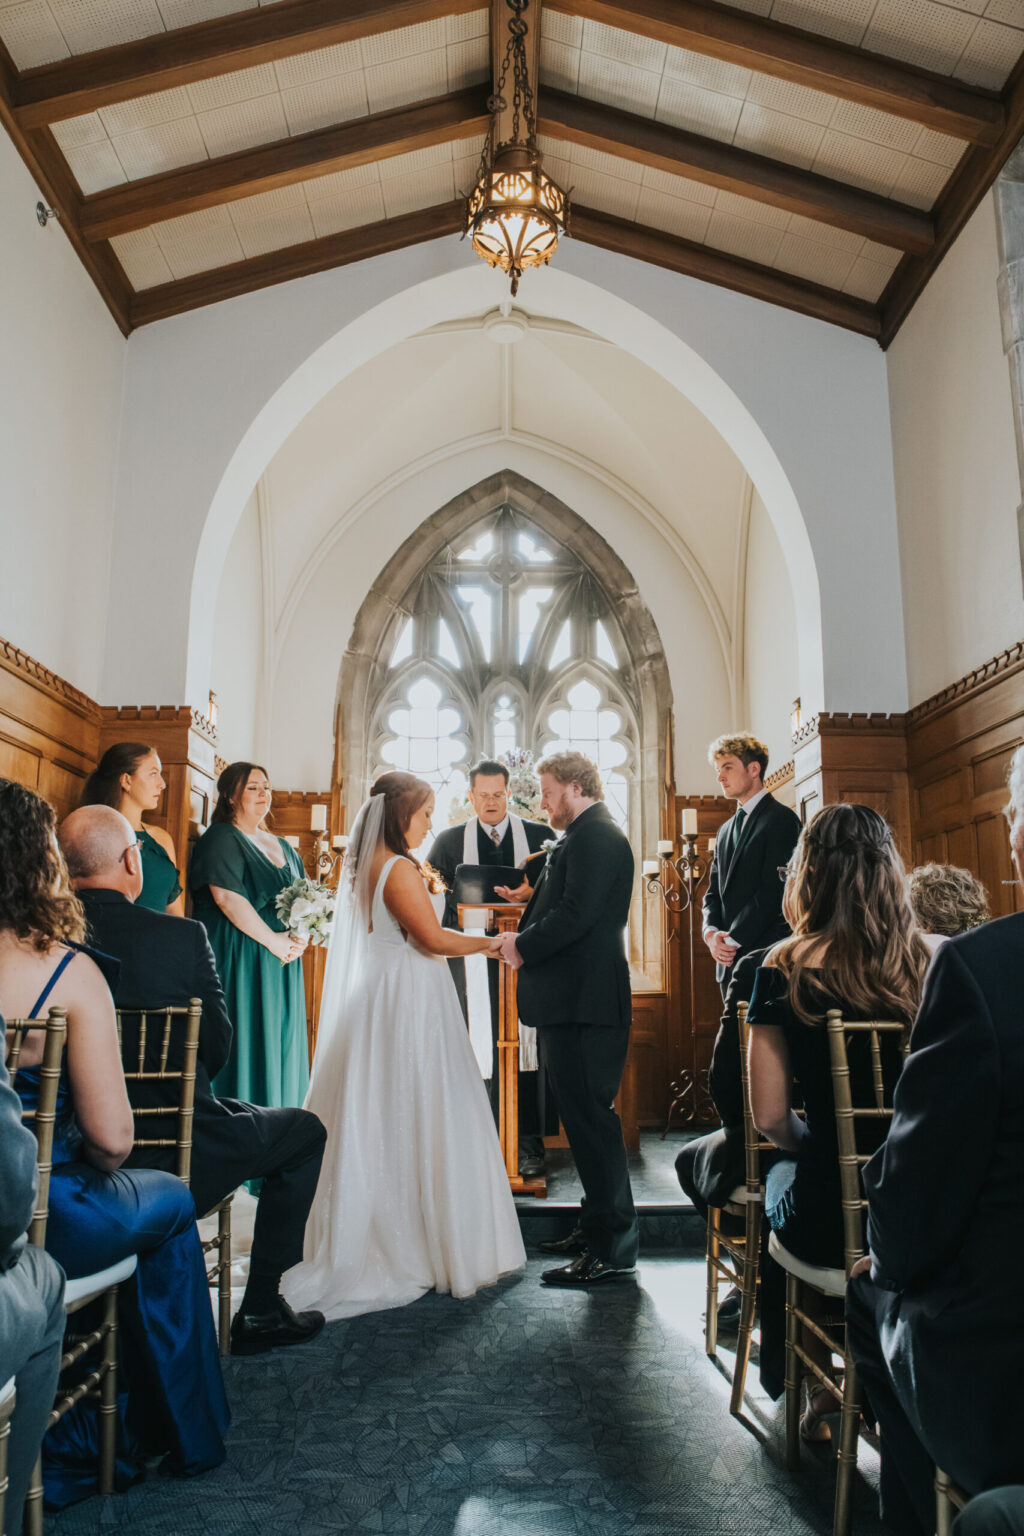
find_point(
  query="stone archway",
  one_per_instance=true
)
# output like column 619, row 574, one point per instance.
column 365, row 664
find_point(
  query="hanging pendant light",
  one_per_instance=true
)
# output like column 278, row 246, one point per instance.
column 515, row 212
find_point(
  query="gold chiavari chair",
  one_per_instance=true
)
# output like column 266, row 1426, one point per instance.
column 831, row 1283
column 949, row 1500
column 741, row 1265
column 7, row 1399
column 146, row 1038
column 101, row 1380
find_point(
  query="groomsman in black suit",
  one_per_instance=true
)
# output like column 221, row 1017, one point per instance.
column 493, row 838
column 574, row 990
column 743, row 902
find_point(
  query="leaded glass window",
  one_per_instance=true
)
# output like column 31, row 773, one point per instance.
column 507, row 638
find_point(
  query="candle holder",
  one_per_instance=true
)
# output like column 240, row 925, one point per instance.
column 677, row 881
column 323, row 860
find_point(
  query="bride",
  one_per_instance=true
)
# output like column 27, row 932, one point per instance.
column 413, row 1195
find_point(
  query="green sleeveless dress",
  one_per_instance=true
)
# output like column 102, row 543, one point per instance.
column 266, row 1001
column 160, row 883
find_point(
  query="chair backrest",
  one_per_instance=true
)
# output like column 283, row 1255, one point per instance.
column 41, row 1119
column 753, row 1144
column 848, row 1114
column 146, row 1038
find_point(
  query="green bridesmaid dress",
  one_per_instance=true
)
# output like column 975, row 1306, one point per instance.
column 160, row 883
column 266, row 1001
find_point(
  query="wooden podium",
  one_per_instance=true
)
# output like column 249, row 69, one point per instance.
column 505, row 916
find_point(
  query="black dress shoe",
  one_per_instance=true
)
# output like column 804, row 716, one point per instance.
column 729, row 1309
column 254, row 1334
column 569, row 1246
column 531, row 1167
column 588, row 1269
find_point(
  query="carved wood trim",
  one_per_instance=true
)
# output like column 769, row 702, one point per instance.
column 160, row 714
column 32, row 671
column 781, row 776
column 1004, row 665
column 827, row 724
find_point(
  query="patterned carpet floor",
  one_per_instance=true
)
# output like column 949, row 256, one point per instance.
column 525, row 1411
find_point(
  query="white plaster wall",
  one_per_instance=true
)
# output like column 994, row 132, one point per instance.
column 957, row 486
column 212, row 395
column 305, row 689
column 771, row 665
column 61, row 366
column 235, row 673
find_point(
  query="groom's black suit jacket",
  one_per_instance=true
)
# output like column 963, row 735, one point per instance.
column 744, row 894
column 572, row 936
column 446, row 855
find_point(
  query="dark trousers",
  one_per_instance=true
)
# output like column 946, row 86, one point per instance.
column 234, row 1142
column 31, row 1331
column 1000, row 1512
column 906, row 1485
column 584, row 1064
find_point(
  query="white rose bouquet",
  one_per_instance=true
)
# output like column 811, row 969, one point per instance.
column 307, row 909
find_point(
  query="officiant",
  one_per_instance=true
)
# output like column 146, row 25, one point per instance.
column 494, row 835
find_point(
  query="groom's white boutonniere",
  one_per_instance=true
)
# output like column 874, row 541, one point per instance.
column 549, row 845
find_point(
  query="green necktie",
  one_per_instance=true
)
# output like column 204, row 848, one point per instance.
column 740, row 818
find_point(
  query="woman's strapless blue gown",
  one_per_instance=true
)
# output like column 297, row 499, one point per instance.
column 169, row 1368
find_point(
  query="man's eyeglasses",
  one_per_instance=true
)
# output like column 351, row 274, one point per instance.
column 784, row 872
column 136, row 845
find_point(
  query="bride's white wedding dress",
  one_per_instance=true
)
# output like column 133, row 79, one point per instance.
column 413, row 1194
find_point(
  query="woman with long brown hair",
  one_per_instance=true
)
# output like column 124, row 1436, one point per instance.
column 413, row 1194
column 855, row 946
column 129, row 778
column 238, row 869
column 99, row 1211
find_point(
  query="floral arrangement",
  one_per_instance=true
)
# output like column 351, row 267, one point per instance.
column 307, row 908
column 523, row 790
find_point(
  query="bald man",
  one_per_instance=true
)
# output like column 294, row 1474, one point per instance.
column 165, row 961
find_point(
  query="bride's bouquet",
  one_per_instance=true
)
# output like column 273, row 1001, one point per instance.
column 307, row 908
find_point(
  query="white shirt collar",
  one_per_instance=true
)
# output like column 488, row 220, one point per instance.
column 501, row 827
column 753, row 802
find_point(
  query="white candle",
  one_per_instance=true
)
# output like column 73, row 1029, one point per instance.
column 318, row 818
column 651, row 866
column 293, row 841
column 340, row 842
column 665, row 845
column 711, row 845
column 689, row 821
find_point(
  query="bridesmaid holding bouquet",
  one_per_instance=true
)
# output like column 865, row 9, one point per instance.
column 238, row 869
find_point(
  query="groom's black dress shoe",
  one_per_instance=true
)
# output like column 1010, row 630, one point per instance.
column 588, row 1269
column 569, row 1246
column 254, row 1334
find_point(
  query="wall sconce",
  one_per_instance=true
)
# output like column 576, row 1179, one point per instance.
column 211, row 709
column 323, row 859
column 796, row 717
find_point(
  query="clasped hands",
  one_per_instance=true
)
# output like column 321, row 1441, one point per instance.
column 503, row 947
column 722, row 945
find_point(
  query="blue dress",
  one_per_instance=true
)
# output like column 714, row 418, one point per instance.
column 175, row 1401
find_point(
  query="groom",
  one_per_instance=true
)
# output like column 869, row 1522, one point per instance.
column 574, row 989
column 494, row 836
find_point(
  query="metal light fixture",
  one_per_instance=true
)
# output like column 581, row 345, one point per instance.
column 515, row 213
column 796, row 717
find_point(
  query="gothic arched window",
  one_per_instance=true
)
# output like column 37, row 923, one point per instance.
column 506, row 638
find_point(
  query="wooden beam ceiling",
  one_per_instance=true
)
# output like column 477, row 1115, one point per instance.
column 218, row 47
column 961, row 196
column 715, row 164
column 49, row 171
column 711, row 266
column 804, row 58
column 294, row 261
column 137, row 204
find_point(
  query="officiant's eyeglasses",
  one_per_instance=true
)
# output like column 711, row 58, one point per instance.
column 490, row 799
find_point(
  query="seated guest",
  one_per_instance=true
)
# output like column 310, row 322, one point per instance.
column 934, row 1327
column 710, row 1167
column 129, row 777
column 164, row 962
column 854, row 946
column 100, row 1214
column 31, row 1303
column 1000, row 1512
column 946, row 901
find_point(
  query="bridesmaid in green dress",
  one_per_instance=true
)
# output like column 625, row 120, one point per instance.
column 237, row 870
column 130, row 778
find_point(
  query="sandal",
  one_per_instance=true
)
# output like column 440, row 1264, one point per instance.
column 820, row 1404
